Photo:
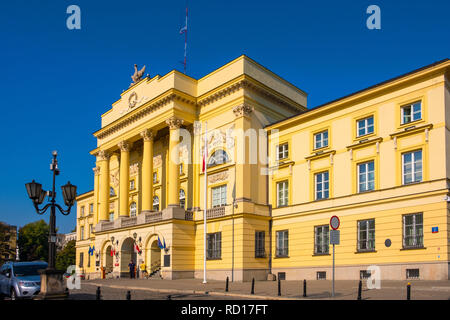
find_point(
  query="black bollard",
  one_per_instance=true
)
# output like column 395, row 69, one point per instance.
column 169, row 297
column 226, row 286
column 408, row 291
column 279, row 286
column 359, row 290
column 253, row 286
column 98, row 294
column 304, row 288
column 128, row 295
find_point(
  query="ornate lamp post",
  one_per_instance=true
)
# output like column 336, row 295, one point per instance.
column 50, row 277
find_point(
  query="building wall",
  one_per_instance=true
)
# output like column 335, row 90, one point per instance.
column 243, row 95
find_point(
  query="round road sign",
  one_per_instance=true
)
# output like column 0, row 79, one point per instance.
column 335, row 222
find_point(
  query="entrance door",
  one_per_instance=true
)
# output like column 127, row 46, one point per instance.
column 126, row 255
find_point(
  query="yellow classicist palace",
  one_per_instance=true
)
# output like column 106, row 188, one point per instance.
column 379, row 159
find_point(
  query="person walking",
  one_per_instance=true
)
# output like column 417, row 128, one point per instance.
column 143, row 268
column 132, row 266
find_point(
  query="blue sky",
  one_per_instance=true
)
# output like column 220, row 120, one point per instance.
column 55, row 83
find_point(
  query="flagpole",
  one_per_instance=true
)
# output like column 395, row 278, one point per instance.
column 205, row 202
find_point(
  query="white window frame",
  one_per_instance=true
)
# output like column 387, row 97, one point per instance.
column 156, row 203
column 413, row 166
column 182, row 198
column 412, row 112
column 320, row 138
column 91, row 208
column 366, row 229
column 414, row 235
column 282, row 151
column 214, row 246
column 282, row 243
column 111, row 216
column 133, row 209
column 283, row 200
column 82, row 233
column 322, row 240
column 365, row 126
column 324, row 190
column 219, row 196
column 366, row 174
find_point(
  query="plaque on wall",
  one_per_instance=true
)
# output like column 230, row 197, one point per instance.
column 167, row 260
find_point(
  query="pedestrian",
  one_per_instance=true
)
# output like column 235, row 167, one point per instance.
column 143, row 269
column 132, row 266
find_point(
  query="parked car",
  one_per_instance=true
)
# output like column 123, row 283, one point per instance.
column 20, row 279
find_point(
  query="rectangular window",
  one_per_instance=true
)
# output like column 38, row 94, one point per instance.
column 131, row 184
column 81, row 260
column 412, row 167
column 214, row 245
column 282, row 249
column 91, row 208
column 91, row 228
column 412, row 274
column 219, row 196
column 413, row 231
column 321, row 239
column 321, row 140
column 322, row 185
column 282, row 151
column 366, row 235
column 260, row 244
column 283, row 193
column 321, row 275
column 155, row 177
column 364, row 126
column 82, row 211
column 82, row 233
column 111, row 216
column 411, row 112
column 364, row 274
column 366, row 176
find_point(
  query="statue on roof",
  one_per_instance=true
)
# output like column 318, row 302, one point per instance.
column 137, row 76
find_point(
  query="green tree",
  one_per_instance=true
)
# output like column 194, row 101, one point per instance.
column 5, row 249
column 33, row 241
column 66, row 257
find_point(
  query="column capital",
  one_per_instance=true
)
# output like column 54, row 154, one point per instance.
column 174, row 123
column 96, row 170
column 242, row 110
column 103, row 155
column 147, row 135
column 124, row 146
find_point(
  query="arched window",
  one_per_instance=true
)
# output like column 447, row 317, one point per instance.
column 218, row 157
column 133, row 209
column 112, row 193
column 182, row 198
column 156, row 203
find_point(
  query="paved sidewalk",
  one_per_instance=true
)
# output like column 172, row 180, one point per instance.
column 316, row 289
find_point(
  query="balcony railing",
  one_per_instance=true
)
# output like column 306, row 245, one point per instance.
column 215, row 212
column 189, row 216
column 108, row 225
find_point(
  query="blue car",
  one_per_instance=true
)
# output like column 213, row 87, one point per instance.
column 20, row 279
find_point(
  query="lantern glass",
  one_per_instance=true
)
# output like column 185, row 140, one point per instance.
column 42, row 197
column 69, row 192
column 33, row 189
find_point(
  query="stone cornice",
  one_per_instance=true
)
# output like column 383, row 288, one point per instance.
column 249, row 85
column 141, row 112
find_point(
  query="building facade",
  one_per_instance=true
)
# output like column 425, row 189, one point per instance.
column 276, row 173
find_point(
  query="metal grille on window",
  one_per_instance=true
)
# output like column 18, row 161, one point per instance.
column 282, row 243
column 366, row 235
column 322, row 239
column 259, row 244
column 413, row 230
column 214, row 245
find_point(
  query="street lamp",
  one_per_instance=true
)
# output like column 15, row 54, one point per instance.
column 38, row 195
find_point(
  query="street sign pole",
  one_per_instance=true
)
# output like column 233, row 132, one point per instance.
column 332, row 289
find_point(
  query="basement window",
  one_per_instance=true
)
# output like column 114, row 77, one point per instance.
column 412, row 274
column 321, row 275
